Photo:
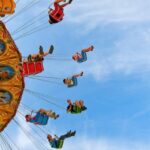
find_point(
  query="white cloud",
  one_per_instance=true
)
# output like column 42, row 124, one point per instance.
column 130, row 55
column 92, row 14
column 22, row 140
column 105, row 144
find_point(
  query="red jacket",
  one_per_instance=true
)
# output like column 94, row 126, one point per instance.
column 58, row 13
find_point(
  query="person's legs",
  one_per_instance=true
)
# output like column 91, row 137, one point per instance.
column 51, row 49
column 49, row 113
column 52, row 114
column 35, row 57
column 88, row 49
column 45, row 54
column 41, row 50
column 78, row 75
column 69, row 2
column 42, row 111
column 67, row 135
column 29, row 58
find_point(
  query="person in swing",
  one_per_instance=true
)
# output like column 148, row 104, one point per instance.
column 41, row 117
column 57, row 142
column 72, row 81
column 40, row 56
column 76, row 108
column 56, row 15
column 82, row 56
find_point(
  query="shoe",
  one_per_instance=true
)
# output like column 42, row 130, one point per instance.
column 41, row 50
column 51, row 22
column 73, row 133
column 57, row 117
column 81, row 74
column 69, row 132
column 51, row 49
column 70, row 1
column 92, row 47
column 29, row 58
column 84, row 108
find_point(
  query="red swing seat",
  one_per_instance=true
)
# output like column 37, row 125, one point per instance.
column 58, row 13
column 32, row 68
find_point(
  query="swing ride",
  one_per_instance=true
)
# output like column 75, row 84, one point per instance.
column 14, row 69
column 11, row 83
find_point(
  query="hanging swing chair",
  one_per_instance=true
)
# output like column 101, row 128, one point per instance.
column 32, row 68
column 57, row 14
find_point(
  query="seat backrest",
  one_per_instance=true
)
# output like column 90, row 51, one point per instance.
column 32, row 68
column 57, row 13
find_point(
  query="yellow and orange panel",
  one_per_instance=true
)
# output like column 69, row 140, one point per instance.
column 7, row 7
column 11, row 80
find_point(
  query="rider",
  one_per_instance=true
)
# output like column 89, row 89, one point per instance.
column 82, row 57
column 56, row 15
column 57, row 142
column 76, row 108
column 41, row 117
column 71, row 82
column 40, row 56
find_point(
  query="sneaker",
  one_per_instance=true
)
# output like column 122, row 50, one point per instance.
column 81, row 73
column 73, row 133
column 29, row 58
column 84, row 108
column 69, row 132
column 51, row 22
column 51, row 49
column 56, row 117
column 70, row 1
column 92, row 47
column 41, row 50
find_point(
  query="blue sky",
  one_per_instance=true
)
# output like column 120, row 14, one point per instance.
column 115, row 87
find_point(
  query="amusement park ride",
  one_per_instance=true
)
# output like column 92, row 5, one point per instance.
column 14, row 69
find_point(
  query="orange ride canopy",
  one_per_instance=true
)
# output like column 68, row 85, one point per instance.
column 11, row 81
column 7, row 7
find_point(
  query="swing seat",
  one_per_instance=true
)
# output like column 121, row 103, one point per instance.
column 57, row 14
column 32, row 68
column 7, row 7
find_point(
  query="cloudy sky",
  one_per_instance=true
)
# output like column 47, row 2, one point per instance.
column 116, row 83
